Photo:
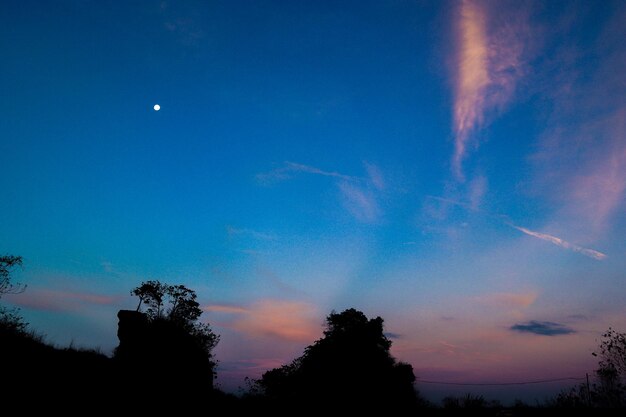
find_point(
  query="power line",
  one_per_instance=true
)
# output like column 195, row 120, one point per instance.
column 541, row 381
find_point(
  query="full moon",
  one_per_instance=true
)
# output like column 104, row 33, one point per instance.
column 157, row 107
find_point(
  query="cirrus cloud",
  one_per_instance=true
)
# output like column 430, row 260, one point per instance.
column 488, row 64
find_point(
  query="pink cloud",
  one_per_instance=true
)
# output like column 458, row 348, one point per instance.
column 488, row 64
column 600, row 188
column 217, row 308
column 288, row 320
column 360, row 202
column 581, row 158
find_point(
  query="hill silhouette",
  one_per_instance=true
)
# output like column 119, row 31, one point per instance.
column 164, row 363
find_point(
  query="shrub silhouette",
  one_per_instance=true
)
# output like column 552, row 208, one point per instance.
column 350, row 367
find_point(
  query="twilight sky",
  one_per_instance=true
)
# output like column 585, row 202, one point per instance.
column 456, row 167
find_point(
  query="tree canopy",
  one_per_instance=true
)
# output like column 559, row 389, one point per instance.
column 176, row 304
column 350, row 365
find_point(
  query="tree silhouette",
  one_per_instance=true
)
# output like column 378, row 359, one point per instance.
column 11, row 322
column 151, row 293
column 611, row 390
column 613, row 352
column 184, row 308
column 166, row 342
column 7, row 262
column 350, row 366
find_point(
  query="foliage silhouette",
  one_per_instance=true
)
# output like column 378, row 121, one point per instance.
column 7, row 262
column 164, row 363
column 609, row 392
column 350, row 367
column 613, row 353
column 166, row 345
column 11, row 322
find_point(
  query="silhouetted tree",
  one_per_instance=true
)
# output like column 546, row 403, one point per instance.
column 349, row 367
column 7, row 262
column 613, row 353
column 11, row 322
column 166, row 342
column 184, row 308
column 609, row 391
column 152, row 294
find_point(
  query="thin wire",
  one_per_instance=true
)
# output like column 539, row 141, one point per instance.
column 542, row 381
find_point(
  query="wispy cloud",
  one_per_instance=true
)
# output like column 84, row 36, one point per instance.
column 360, row 202
column 53, row 300
column 375, row 176
column 182, row 22
column 543, row 236
column 360, row 195
column 581, row 158
column 284, row 172
column 516, row 300
column 477, row 191
column 488, row 64
column 543, row 328
column 222, row 308
column 562, row 243
column 601, row 189
column 233, row 231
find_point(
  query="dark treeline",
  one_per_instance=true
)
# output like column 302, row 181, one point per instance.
column 164, row 363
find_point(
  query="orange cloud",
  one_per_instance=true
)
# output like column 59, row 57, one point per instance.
column 506, row 299
column 288, row 320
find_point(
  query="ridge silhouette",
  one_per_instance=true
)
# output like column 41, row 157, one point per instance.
column 164, row 363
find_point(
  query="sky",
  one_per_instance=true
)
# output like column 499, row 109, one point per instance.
column 455, row 167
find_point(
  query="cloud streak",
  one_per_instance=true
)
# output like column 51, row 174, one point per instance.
column 233, row 231
column 284, row 173
column 488, row 64
column 360, row 195
column 518, row 300
column 562, row 243
column 543, row 328
column 543, row 236
column 56, row 301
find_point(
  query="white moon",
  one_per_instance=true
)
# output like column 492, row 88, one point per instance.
column 157, row 107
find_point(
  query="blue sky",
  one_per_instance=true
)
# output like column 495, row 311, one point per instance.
column 458, row 168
